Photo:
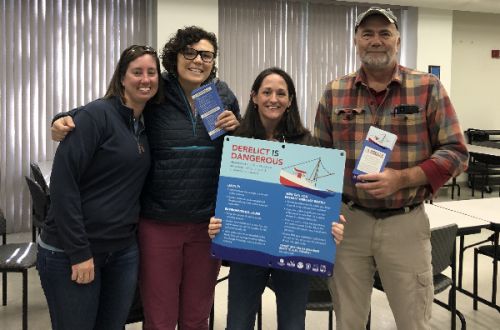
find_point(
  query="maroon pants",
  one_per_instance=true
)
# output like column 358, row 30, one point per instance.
column 177, row 275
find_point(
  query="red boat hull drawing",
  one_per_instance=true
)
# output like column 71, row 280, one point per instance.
column 300, row 181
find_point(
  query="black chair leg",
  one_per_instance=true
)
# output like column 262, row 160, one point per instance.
column 4, row 288
column 330, row 320
column 211, row 319
column 369, row 320
column 462, row 321
column 459, row 314
column 474, row 284
column 452, row 302
column 472, row 185
column 495, row 272
column 25, row 299
column 259, row 316
column 461, row 261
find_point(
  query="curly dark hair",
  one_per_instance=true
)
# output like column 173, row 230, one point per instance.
column 290, row 124
column 184, row 37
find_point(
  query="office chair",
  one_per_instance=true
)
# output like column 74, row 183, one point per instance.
column 16, row 258
column 40, row 206
column 37, row 175
column 443, row 256
column 319, row 298
column 476, row 135
column 486, row 170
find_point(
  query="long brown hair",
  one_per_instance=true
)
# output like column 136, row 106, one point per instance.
column 115, row 87
column 290, row 124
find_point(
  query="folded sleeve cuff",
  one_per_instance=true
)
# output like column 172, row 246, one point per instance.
column 436, row 175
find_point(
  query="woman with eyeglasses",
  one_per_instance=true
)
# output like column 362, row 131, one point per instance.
column 177, row 274
column 88, row 257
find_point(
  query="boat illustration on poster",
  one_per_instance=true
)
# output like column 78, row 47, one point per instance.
column 296, row 176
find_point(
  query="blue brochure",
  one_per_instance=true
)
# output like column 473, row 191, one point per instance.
column 208, row 104
column 277, row 202
column 375, row 153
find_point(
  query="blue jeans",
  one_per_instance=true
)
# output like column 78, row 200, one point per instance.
column 246, row 284
column 102, row 304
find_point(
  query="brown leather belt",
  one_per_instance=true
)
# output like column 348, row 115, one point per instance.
column 381, row 213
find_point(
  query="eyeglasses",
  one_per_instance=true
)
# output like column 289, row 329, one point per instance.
column 143, row 49
column 191, row 53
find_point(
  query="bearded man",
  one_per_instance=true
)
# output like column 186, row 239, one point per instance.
column 388, row 230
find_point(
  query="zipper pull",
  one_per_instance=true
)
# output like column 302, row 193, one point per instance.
column 140, row 147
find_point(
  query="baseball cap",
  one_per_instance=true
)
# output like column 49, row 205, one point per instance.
column 387, row 13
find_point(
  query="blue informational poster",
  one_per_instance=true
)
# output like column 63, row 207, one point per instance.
column 277, row 202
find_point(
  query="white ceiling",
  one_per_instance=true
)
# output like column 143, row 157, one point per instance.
column 484, row 6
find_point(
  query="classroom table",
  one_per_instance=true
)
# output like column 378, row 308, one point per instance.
column 440, row 216
column 485, row 209
column 488, row 144
column 475, row 149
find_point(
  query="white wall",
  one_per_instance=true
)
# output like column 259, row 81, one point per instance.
column 175, row 14
column 434, row 42
column 476, row 76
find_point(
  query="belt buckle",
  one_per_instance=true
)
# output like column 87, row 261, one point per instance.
column 382, row 214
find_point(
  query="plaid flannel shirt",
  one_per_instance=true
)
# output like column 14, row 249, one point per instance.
column 431, row 138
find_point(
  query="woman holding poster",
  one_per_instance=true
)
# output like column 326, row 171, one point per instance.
column 272, row 114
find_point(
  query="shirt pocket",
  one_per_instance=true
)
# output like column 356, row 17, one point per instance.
column 411, row 129
column 349, row 124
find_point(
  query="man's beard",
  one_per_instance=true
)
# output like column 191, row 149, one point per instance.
column 376, row 61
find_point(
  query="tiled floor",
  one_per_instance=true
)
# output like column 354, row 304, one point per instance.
column 484, row 318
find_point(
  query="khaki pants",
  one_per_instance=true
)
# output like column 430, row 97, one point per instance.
column 399, row 248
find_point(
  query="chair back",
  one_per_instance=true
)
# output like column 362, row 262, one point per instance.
column 37, row 174
column 487, row 160
column 443, row 243
column 476, row 135
column 3, row 224
column 319, row 298
column 40, row 202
